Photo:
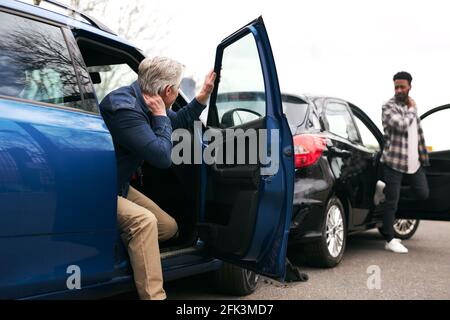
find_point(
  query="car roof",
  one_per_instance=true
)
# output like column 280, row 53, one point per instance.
column 314, row 97
column 59, row 13
column 319, row 99
column 286, row 96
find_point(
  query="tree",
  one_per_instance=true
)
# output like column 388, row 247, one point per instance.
column 132, row 21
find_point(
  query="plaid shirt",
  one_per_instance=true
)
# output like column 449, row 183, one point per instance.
column 396, row 121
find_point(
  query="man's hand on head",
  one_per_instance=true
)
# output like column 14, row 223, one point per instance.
column 207, row 88
column 155, row 104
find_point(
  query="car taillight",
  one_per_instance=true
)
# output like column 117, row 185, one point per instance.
column 307, row 149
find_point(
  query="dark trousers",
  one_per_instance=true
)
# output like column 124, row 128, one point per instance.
column 418, row 190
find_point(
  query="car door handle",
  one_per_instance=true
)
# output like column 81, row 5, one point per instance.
column 335, row 151
column 238, row 172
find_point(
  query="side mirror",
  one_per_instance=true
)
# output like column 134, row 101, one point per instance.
column 238, row 116
column 95, row 77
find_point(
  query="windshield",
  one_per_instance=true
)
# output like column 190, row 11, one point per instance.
column 295, row 110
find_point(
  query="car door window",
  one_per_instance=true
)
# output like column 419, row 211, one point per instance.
column 35, row 64
column 240, row 94
column 368, row 140
column 340, row 121
column 436, row 130
column 110, row 77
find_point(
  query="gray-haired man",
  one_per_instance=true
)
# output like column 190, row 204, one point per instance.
column 141, row 123
column 404, row 154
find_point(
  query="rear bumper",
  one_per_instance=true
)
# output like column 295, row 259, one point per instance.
column 307, row 223
column 313, row 187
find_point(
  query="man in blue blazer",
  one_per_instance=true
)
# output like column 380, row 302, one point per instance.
column 141, row 122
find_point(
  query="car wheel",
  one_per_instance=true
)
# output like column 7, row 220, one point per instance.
column 404, row 228
column 329, row 250
column 236, row 281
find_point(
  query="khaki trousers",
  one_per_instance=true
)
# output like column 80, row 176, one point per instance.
column 143, row 223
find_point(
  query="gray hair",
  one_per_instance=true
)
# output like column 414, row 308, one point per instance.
column 155, row 74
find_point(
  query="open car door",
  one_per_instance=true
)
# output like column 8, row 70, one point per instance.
column 247, row 170
column 437, row 206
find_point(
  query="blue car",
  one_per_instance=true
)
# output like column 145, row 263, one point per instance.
column 58, row 194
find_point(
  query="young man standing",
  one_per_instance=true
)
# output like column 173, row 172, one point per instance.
column 404, row 154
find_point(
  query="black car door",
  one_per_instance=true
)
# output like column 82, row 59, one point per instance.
column 350, row 161
column 437, row 206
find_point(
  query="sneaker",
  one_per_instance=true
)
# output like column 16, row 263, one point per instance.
column 395, row 246
column 379, row 196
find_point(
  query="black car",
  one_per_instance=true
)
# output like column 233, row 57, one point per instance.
column 337, row 151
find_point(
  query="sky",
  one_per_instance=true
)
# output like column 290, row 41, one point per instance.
column 347, row 49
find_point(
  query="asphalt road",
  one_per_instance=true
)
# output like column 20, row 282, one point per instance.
column 423, row 273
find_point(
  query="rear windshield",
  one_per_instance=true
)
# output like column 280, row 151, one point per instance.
column 295, row 110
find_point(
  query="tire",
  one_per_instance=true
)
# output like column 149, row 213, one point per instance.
column 232, row 280
column 404, row 228
column 319, row 253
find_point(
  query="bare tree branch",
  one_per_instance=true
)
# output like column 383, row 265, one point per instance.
column 148, row 30
column 133, row 23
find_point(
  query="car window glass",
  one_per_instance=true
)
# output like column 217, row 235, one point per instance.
column 436, row 130
column 240, row 95
column 313, row 122
column 111, row 77
column 35, row 63
column 295, row 112
column 367, row 137
column 87, row 89
column 340, row 121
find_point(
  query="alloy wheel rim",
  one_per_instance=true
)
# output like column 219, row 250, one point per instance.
column 335, row 231
column 404, row 226
column 249, row 275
